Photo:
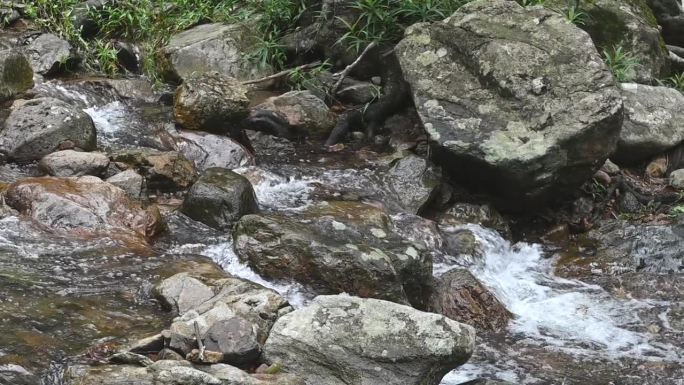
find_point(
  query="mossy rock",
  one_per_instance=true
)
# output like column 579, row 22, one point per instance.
column 16, row 75
column 630, row 24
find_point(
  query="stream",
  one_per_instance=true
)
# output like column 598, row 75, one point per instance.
column 59, row 297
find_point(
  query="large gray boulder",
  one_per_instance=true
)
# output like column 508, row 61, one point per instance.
column 16, row 75
column 343, row 340
column 48, row 54
column 337, row 247
column 41, row 126
column 654, row 122
column 210, row 102
column 222, row 48
column 219, row 198
column 518, row 100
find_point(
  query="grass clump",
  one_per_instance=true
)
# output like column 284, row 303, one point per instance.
column 623, row 64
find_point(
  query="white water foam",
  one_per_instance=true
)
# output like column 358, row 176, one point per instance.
column 278, row 192
column 108, row 120
column 222, row 253
column 567, row 314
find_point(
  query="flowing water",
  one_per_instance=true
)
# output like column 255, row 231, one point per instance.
column 60, row 296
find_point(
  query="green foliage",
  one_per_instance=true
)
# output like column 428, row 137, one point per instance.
column 676, row 81
column 269, row 51
column 677, row 211
column 384, row 21
column 106, row 57
column 528, row 3
column 623, row 64
column 575, row 16
column 300, row 79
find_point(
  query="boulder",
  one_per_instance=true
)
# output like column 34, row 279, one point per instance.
column 48, row 54
column 74, row 163
column 208, row 300
column 219, row 198
column 235, row 338
column 461, row 297
column 337, row 247
column 464, row 213
column 630, row 24
column 306, row 113
column 677, row 179
column 517, row 99
column 163, row 170
column 208, row 150
column 130, row 182
column 222, row 48
column 41, row 126
column 84, row 206
column 210, row 102
column 16, row 75
column 413, row 184
column 654, row 122
column 340, row 340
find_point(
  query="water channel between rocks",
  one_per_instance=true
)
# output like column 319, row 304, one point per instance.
column 60, row 296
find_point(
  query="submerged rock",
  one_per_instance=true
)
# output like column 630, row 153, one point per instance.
column 83, row 206
column 526, row 126
column 222, row 48
column 41, row 126
column 210, row 102
column 16, row 75
column 334, row 248
column 653, row 122
column 219, row 198
column 74, row 163
column 339, row 340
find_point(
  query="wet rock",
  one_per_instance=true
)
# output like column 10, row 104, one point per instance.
column 214, row 48
column 485, row 215
column 269, row 145
column 128, row 358
column 41, row 126
column 12, row 374
column 219, row 198
column 210, row 102
column 74, row 163
column 182, row 292
column 528, row 133
column 164, row 171
column 337, row 250
column 652, row 124
column 153, row 343
column 130, row 182
column 343, row 340
column 622, row 248
column 16, row 75
column 49, row 54
column 630, row 204
column 208, row 150
column 677, row 179
column 172, row 373
column 632, row 25
column 306, row 113
column 414, row 182
column 461, row 242
column 461, row 297
column 169, row 354
column 235, row 338
column 83, row 206
column 129, row 56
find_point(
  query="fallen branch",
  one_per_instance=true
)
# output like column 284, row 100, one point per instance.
column 343, row 74
column 200, row 344
column 283, row 73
